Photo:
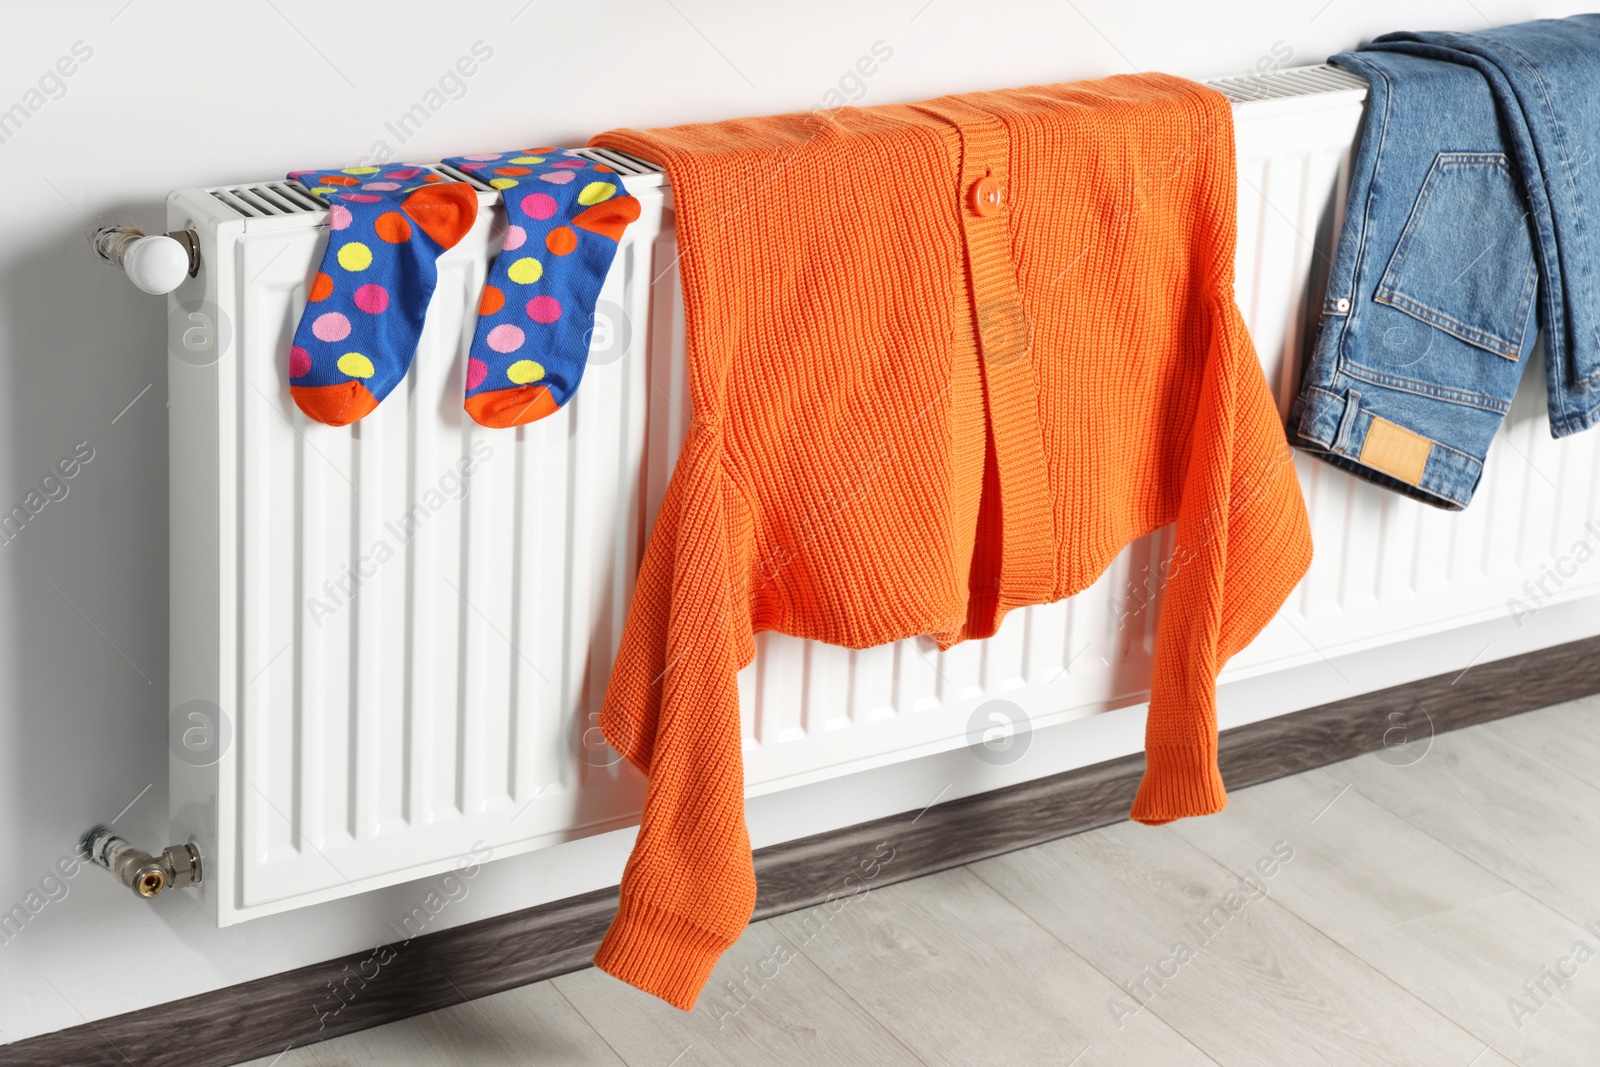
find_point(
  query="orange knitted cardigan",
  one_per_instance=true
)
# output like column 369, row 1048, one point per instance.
column 916, row 408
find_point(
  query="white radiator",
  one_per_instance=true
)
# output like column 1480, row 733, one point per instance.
column 389, row 640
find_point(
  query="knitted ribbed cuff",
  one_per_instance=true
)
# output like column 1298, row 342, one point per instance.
column 1178, row 782
column 660, row 953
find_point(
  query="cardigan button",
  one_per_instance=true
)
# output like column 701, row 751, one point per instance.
column 987, row 193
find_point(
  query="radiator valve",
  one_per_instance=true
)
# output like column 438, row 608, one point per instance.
column 177, row 867
column 156, row 263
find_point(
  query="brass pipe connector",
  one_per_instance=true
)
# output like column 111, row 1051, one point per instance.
column 177, row 866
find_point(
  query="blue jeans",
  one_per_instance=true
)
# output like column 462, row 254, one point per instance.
column 1473, row 202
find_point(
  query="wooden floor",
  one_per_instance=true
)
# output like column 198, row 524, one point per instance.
column 1436, row 906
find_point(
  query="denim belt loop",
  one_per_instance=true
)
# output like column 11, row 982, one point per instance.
column 1347, row 421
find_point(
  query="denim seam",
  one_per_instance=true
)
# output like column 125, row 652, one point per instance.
column 1454, row 327
column 1370, row 124
column 1351, row 318
column 1335, row 398
column 1556, row 328
column 1372, row 475
column 1355, row 458
column 1531, row 69
column 1530, row 289
column 1576, row 423
column 1406, row 385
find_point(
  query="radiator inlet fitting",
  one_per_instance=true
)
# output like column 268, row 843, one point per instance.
column 177, row 867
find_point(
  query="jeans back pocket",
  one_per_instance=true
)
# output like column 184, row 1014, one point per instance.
column 1464, row 263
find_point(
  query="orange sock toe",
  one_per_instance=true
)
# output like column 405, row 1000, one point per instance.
column 444, row 212
column 512, row 407
column 336, row 405
column 609, row 218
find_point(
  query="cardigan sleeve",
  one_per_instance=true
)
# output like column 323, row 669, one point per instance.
column 672, row 708
column 1242, row 544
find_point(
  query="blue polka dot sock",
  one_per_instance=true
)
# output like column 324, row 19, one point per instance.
column 565, row 216
column 359, row 332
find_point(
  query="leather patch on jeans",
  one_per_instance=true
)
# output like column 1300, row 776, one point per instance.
column 1396, row 451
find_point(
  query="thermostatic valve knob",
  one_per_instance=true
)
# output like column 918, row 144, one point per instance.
column 156, row 263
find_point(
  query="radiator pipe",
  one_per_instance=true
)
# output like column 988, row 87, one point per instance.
column 177, row 867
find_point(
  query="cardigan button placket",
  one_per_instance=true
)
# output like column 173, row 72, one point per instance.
column 1025, row 557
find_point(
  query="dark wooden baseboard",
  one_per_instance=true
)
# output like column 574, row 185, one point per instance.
column 268, row 1015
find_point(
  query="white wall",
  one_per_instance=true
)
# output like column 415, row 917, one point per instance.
column 179, row 94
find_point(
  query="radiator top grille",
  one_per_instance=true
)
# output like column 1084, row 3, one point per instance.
column 1296, row 81
column 284, row 197
column 264, row 200
column 268, row 199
